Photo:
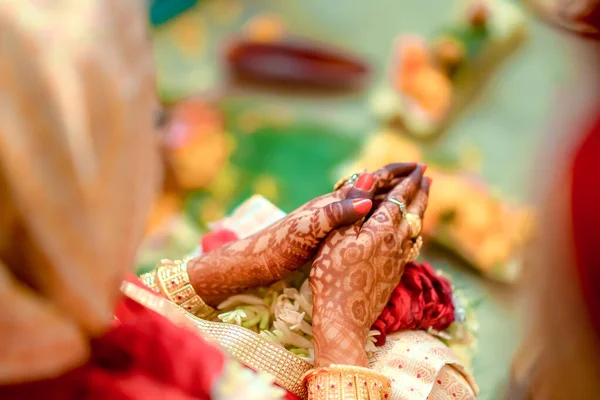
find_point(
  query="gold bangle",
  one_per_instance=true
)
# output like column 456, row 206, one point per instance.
column 171, row 280
column 346, row 382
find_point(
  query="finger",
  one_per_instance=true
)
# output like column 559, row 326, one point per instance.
column 396, row 170
column 417, row 206
column 385, row 176
column 340, row 213
column 363, row 188
column 407, row 188
column 419, row 203
column 393, row 183
column 389, row 212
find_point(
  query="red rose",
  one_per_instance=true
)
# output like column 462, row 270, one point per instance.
column 214, row 240
column 422, row 299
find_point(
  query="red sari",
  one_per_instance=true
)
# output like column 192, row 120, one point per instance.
column 143, row 356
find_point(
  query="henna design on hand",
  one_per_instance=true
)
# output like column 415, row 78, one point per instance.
column 288, row 244
column 355, row 271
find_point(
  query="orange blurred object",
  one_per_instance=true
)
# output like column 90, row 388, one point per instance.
column 195, row 150
column 449, row 53
column 417, row 77
column 265, row 28
column 430, row 88
column 414, row 54
column 478, row 14
column 196, row 146
column 164, row 207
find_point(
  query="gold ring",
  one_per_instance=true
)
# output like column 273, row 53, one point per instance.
column 415, row 224
column 400, row 205
column 347, row 180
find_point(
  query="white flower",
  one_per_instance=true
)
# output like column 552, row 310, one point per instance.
column 295, row 320
column 371, row 340
column 286, row 337
column 233, row 317
column 241, row 299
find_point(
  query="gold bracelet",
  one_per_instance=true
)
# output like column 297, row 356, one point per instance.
column 171, row 280
column 346, row 382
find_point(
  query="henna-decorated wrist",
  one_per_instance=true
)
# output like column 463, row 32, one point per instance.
column 334, row 353
column 336, row 340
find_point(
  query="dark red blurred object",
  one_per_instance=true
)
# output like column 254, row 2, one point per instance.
column 295, row 62
column 422, row 299
column 585, row 194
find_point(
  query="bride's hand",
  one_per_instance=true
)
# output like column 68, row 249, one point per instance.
column 357, row 268
column 288, row 244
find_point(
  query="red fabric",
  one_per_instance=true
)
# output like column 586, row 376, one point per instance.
column 421, row 300
column 585, row 213
column 143, row 356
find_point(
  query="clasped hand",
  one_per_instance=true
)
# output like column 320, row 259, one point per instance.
column 358, row 266
column 359, row 242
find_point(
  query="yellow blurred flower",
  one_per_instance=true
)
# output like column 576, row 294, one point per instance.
column 189, row 33
column 211, row 210
column 383, row 148
column 225, row 183
column 266, row 186
column 249, row 121
column 494, row 250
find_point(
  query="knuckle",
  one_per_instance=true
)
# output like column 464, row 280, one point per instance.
column 333, row 212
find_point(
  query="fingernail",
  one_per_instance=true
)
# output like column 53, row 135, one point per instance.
column 429, row 180
column 362, row 206
column 424, row 167
column 365, row 181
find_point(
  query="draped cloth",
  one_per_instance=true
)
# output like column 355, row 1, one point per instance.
column 78, row 172
column 79, row 169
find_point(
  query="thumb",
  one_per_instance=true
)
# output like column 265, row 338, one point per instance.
column 341, row 213
column 351, row 210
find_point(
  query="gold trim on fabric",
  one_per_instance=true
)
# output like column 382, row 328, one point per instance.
column 249, row 348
